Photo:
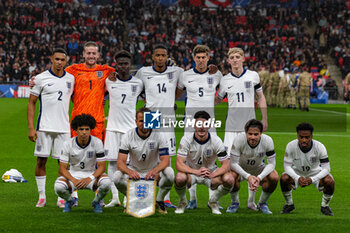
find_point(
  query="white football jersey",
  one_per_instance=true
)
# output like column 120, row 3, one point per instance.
column 144, row 153
column 306, row 164
column 252, row 159
column 82, row 159
column 54, row 94
column 123, row 97
column 201, row 89
column 240, row 92
column 160, row 88
column 202, row 154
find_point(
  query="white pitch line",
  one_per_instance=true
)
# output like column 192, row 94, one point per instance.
column 335, row 112
column 315, row 134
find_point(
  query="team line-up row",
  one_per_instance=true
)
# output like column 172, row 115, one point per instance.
column 148, row 150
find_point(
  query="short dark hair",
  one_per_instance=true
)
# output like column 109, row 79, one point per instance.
column 253, row 123
column 305, row 126
column 59, row 50
column 160, row 46
column 122, row 53
column 202, row 114
column 83, row 120
column 142, row 110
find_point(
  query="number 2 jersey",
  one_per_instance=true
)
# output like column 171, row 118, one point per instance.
column 202, row 154
column 82, row 159
column 54, row 94
column 240, row 92
column 89, row 90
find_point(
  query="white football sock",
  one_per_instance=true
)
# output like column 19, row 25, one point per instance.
column 251, row 195
column 326, row 198
column 193, row 192
column 234, row 196
column 40, row 183
column 288, row 197
column 264, row 197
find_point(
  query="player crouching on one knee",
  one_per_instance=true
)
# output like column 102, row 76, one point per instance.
column 247, row 163
column 82, row 153
column 148, row 158
column 196, row 164
column 306, row 162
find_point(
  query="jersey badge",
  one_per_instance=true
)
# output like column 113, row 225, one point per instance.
column 38, row 147
column 133, row 89
column 99, row 74
column 210, row 80
column 141, row 190
column 313, row 159
column 170, row 76
column 151, row 146
column 69, row 85
column 106, row 152
column 261, row 154
column 248, row 84
column 90, row 154
column 208, row 152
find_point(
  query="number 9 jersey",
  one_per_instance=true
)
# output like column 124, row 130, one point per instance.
column 54, row 94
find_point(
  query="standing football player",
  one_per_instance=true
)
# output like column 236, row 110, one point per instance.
column 53, row 88
column 201, row 87
column 160, row 84
column 123, row 96
column 240, row 87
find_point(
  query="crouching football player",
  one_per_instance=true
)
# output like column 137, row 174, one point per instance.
column 149, row 159
column 196, row 164
column 82, row 153
column 247, row 162
column 306, row 162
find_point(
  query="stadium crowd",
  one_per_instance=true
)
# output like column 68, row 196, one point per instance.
column 267, row 35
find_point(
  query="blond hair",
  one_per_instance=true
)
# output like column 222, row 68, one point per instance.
column 201, row 49
column 236, row 50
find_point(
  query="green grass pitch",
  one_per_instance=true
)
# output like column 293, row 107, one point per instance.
column 17, row 201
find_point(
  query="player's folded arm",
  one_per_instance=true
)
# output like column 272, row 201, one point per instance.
column 234, row 162
column 271, row 164
column 121, row 162
column 326, row 169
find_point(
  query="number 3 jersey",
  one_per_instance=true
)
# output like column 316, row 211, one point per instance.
column 240, row 92
column 54, row 94
column 251, row 159
column 123, row 95
column 202, row 154
column 82, row 159
column 306, row 164
column 144, row 153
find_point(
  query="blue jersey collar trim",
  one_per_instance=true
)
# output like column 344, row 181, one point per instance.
column 64, row 73
column 244, row 70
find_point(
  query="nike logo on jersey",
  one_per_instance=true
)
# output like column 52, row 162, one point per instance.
column 149, row 77
column 114, row 87
column 190, row 81
column 134, row 147
column 229, row 87
column 50, row 84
